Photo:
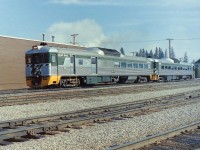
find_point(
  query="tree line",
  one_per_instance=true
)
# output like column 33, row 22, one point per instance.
column 158, row 54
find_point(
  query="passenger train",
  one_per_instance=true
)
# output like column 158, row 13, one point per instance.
column 63, row 67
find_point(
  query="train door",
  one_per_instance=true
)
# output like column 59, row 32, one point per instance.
column 72, row 65
column 155, row 71
column 54, row 68
column 54, row 64
column 94, row 65
column 155, row 67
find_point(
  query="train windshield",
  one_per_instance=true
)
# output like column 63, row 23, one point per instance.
column 37, row 58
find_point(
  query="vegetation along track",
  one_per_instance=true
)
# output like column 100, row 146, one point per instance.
column 34, row 127
column 35, row 97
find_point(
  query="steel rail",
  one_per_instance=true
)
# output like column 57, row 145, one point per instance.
column 155, row 138
column 28, row 90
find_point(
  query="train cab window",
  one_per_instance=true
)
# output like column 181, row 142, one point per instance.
column 80, row 62
column 135, row 65
column 28, row 60
column 37, row 59
column 162, row 67
column 130, row 65
column 44, row 58
column 123, row 65
column 141, row 66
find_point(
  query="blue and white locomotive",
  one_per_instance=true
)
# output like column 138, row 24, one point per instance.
column 74, row 66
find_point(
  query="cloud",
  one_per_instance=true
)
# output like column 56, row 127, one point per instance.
column 89, row 32
column 185, row 3
column 88, row 2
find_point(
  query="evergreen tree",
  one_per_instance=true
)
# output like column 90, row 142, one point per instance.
column 185, row 58
column 140, row 53
column 193, row 61
column 146, row 54
column 151, row 54
column 172, row 54
column 122, row 51
column 161, row 54
column 156, row 54
column 143, row 53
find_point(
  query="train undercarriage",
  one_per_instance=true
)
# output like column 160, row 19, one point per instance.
column 73, row 81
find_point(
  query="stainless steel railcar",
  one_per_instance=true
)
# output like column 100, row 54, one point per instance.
column 54, row 66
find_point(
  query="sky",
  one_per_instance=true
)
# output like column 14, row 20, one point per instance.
column 131, row 24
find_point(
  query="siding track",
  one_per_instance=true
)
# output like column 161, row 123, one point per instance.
column 45, row 95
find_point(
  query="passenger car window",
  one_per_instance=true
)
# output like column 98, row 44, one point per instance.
column 123, row 65
column 129, row 65
column 80, row 61
column 93, row 60
column 135, row 65
column 146, row 66
column 140, row 65
column 116, row 64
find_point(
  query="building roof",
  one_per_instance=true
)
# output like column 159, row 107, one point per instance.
column 110, row 52
column 197, row 62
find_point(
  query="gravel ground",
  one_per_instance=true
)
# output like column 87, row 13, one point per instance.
column 102, row 136
column 23, row 111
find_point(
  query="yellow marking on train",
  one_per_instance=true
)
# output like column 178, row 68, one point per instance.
column 52, row 80
column 154, row 77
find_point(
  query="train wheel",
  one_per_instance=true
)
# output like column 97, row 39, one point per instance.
column 63, row 83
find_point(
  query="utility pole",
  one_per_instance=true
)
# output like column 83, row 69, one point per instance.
column 43, row 35
column 134, row 53
column 169, row 46
column 74, row 38
column 53, row 37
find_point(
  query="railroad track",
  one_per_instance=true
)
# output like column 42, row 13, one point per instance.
column 185, row 137
column 29, row 90
column 33, row 127
column 35, row 97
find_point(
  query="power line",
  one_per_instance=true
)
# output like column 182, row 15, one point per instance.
column 138, row 41
column 187, row 39
column 143, row 41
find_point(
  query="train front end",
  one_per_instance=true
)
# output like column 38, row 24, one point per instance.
column 41, row 64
